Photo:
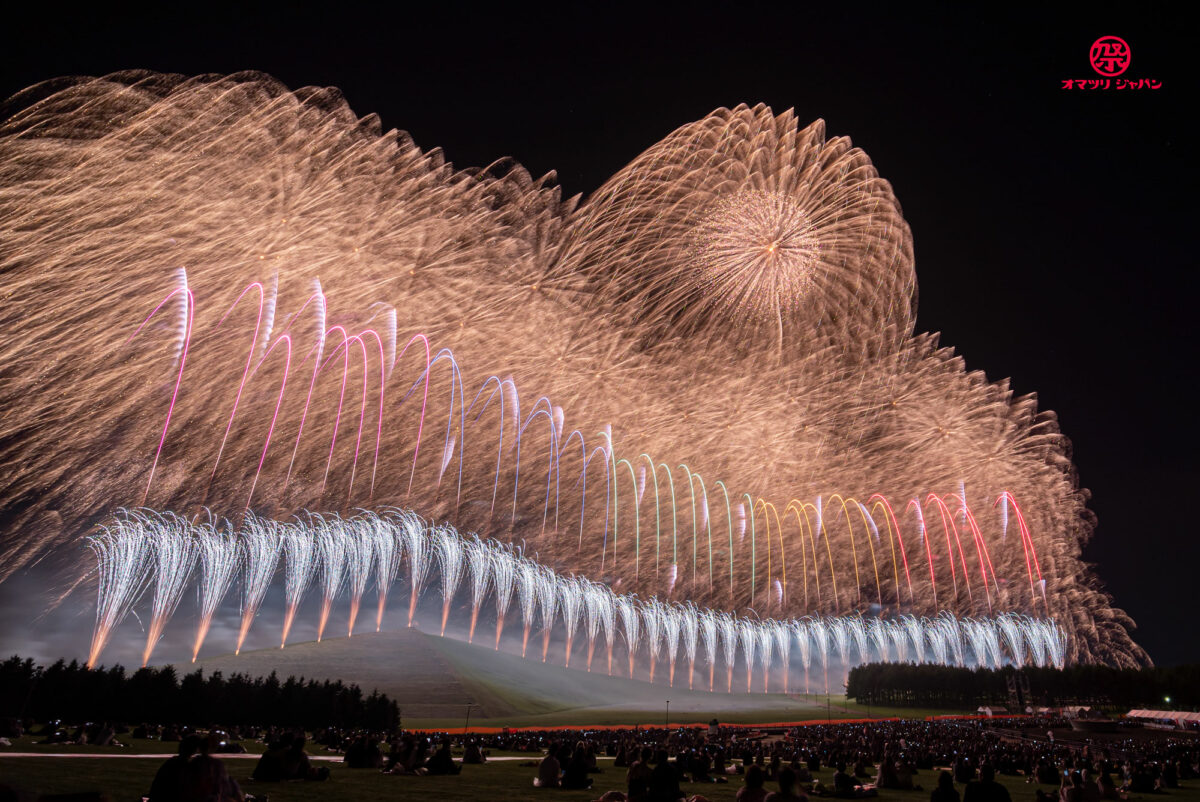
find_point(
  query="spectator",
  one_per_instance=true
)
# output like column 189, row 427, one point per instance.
column 472, row 754
column 843, row 783
column 945, row 791
column 753, row 790
column 787, row 788
column 270, row 766
column 575, row 775
column 1091, row 790
column 168, row 781
column 1108, row 788
column 637, row 779
column 664, row 782
column 1072, row 787
column 549, row 770
column 887, row 777
column 205, row 778
column 442, row 762
column 986, row 789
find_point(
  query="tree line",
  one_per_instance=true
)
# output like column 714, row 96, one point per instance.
column 73, row 693
column 946, row 686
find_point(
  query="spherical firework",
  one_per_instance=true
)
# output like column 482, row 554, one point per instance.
column 741, row 227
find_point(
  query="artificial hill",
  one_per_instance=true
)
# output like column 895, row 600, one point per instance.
column 433, row 679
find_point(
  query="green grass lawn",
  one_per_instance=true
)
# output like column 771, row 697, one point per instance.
column 125, row 780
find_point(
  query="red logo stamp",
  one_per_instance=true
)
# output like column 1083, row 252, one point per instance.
column 1109, row 56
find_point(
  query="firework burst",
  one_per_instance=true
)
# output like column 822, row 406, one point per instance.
column 701, row 383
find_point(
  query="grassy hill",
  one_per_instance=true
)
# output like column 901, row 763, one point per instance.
column 433, row 680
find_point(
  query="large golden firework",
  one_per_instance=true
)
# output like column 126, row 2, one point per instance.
column 702, row 382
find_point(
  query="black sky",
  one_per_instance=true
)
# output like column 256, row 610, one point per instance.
column 1053, row 228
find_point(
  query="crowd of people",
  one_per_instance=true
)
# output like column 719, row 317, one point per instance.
column 954, row 761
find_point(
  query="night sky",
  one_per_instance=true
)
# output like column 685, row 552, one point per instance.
column 1049, row 224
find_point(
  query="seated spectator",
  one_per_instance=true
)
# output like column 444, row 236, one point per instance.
column 106, row 736
column 637, row 779
column 297, row 766
column 472, row 754
column 549, row 770
column 1141, row 781
column 787, row 788
column 753, row 790
column 270, row 768
column 843, row 783
column 664, row 782
column 945, row 791
column 887, row 777
column 364, row 754
column 1091, row 789
column 1108, row 788
column 205, row 778
column 575, row 775
column 986, row 789
column 168, row 781
column 1072, row 787
column 699, row 765
column 1046, row 773
column 442, row 762
column 295, row 760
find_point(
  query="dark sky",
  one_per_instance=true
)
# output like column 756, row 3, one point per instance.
column 1050, row 225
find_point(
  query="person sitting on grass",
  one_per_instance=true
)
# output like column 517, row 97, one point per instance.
column 986, row 789
column 442, row 762
column 549, row 770
column 843, row 783
column 1108, row 787
column 472, row 753
column 887, row 777
column 904, row 774
column 945, row 791
column 664, row 782
column 295, row 760
column 270, row 765
column 753, row 790
column 787, row 788
column 637, row 779
column 168, row 781
column 699, row 764
column 363, row 753
column 205, row 778
column 575, row 776
column 1072, row 787
column 297, row 766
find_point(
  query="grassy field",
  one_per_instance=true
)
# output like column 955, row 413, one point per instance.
column 125, row 780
